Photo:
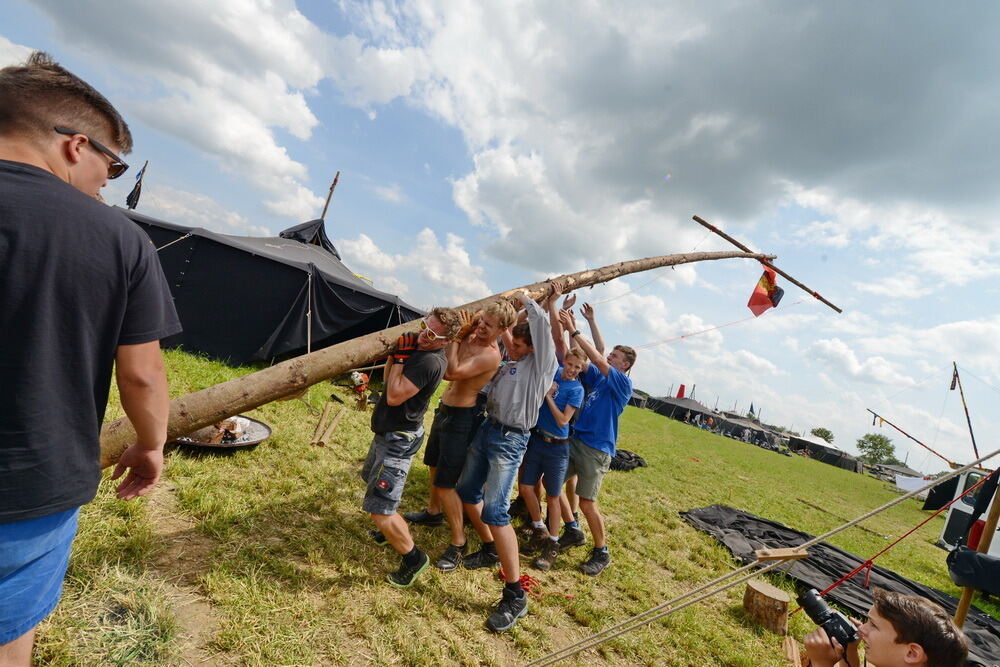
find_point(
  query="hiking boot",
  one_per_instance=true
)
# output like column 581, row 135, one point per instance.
column 451, row 558
column 508, row 610
column 571, row 537
column 481, row 559
column 425, row 518
column 406, row 575
column 534, row 544
column 548, row 558
column 378, row 538
column 598, row 561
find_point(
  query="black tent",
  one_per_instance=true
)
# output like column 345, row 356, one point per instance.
column 243, row 299
column 679, row 408
column 823, row 452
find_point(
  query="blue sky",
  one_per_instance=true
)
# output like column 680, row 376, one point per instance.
column 488, row 145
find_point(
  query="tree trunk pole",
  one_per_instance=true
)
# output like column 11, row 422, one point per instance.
column 983, row 547
column 211, row 404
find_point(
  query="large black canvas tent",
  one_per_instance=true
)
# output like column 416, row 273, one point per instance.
column 679, row 408
column 242, row 299
column 823, row 452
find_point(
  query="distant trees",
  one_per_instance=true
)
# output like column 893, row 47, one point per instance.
column 876, row 448
column 823, row 434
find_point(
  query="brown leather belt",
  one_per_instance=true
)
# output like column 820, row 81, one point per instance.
column 549, row 439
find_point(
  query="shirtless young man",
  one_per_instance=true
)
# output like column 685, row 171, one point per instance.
column 472, row 361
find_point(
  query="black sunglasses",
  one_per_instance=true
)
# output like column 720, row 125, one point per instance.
column 116, row 167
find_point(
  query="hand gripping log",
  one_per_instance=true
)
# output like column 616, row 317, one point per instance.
column 211, row 404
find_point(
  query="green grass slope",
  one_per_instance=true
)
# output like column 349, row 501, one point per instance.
column 276, row 544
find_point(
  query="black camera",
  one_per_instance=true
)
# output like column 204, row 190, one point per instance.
column 836, row 625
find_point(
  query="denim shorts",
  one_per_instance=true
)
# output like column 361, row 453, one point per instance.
column 491, row 468
column 34, row 554
column 386, row 467
column 546, row 461
column 448, row 443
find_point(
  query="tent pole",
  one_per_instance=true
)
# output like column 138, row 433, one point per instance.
column 309, row 313
column 329, row 196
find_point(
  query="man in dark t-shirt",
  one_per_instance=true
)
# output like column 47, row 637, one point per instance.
column 81, row 290
column 412, row 374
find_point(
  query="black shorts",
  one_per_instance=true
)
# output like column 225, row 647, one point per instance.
column 448, row 443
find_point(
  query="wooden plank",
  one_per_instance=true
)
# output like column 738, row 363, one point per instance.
column 791, row 553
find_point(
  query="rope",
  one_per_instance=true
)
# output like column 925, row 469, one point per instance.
column 177, row 240
column 531, row 586
column 968, row 372
column 696, row 333
column 650, row 615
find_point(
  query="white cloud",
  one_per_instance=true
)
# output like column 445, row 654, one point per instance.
column 195, row 210
column 390, row 193
column 435, row 273
column 837, row 355
column 11, row 53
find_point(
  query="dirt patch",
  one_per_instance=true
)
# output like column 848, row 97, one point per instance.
column 180, row 566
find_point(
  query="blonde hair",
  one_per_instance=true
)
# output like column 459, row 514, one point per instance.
column 448, row 317
column 579, row 354
column 502, row 310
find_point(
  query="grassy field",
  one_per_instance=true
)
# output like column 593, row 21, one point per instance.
column 261, row 556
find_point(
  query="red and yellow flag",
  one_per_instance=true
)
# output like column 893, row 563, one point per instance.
column 766, row 294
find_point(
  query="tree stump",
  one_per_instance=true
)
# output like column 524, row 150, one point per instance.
column 767, row 605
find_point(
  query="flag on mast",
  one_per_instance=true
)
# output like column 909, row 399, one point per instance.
column 766, row 294
column 133, row 197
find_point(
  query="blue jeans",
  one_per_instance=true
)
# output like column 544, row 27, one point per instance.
column 494, row 457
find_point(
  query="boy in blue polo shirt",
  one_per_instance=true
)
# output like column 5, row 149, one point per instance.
column 548, row 456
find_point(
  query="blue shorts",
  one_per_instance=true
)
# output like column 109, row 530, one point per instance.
column 491, row 468
column 34, row 554
column 548, row 461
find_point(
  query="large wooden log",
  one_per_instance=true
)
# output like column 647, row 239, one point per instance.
column 211, row 404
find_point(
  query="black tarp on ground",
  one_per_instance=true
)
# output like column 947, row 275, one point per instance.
column 743, row 533
column 825, row 453
column 243, row 299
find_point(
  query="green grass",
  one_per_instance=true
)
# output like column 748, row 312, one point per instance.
column 287, row 566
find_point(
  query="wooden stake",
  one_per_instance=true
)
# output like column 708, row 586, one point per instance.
column 322, row 421
column 790, row 648
column 739, row 245
column 329, row 430
column 207, row 406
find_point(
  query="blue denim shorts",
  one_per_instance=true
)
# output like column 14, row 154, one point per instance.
column 386, row 467
column 546, row 461
column 34, row 554
column 491, row 468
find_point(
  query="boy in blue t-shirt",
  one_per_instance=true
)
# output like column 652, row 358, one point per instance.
column 592, row 444
column 547, row 456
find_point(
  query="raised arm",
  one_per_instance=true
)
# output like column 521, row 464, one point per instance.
column 541, row 330
column 595, row 357
column 595, row 332
column 557, row 336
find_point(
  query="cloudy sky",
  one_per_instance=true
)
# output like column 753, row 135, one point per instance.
column 485, row 145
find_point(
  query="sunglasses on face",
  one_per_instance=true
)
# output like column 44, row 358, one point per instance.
column 431, row 334
column 116, row 167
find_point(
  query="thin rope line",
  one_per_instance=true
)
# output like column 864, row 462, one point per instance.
column 968, row 372
column 178, row 240
column 650, row 615
column 696, row 333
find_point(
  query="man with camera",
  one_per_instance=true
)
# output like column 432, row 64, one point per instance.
column 901, row 631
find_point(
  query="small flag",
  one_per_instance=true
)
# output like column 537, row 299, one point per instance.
column 751, row 408
column 766, row 294
column 680, row 392
column 954, row 379
column 133, row 197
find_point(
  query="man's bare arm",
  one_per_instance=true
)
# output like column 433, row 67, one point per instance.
column 595, row 357
column 142, row 384
column 398, row 388
column 595, row 332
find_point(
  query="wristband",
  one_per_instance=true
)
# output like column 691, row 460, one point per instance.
column 575, row 333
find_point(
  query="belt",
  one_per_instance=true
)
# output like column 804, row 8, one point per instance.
column 549, row 439
column 500, row 424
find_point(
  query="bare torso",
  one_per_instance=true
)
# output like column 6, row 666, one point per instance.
column 462, row 393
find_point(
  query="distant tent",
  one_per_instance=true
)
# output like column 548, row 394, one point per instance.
column 679, row 408
column 821, row 451
column 243, row 299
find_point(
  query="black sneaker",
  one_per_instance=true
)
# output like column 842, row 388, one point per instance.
column 378, row 538
column 509, row 609
column 571, row 537
column 598, row 561
column 425, row 518
column 481, row 559
column 406, row 575
column 534, row 544
column 451, row 558
column 548, row 558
